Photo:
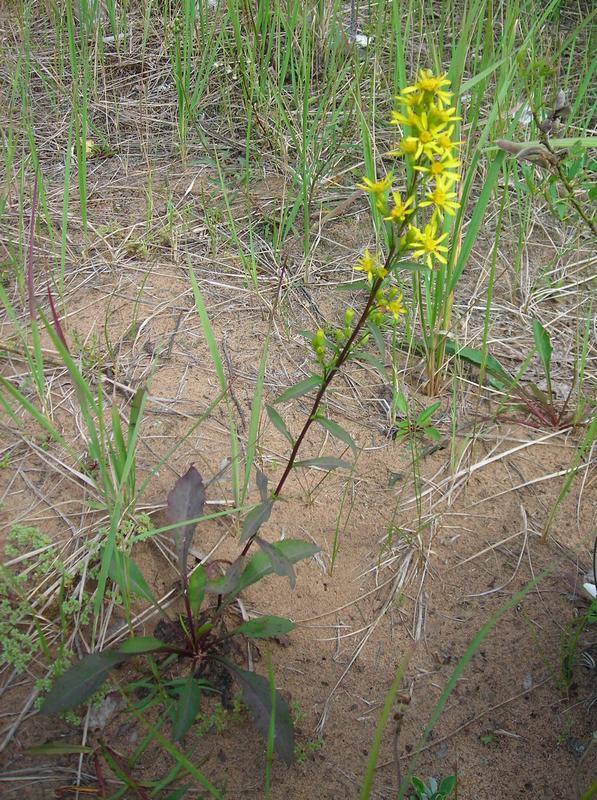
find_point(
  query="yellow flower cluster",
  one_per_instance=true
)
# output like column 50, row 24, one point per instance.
column 390, row 302
column 372, row 266
column 428, row 113
column 428, row 119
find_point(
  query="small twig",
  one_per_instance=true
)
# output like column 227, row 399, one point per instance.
column 556, row 165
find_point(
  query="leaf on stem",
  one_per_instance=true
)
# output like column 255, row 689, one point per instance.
column 265, row 627
column 280, row 564
column 256, row 694
column 196, row 589
column 300, row 388
column 79, row 682
column 187, row 708
column 379, row 341
column 185, row 502
column 128, row 577
column 478, row 358
column 140, row 644
column 279, row 424
column 257, row 517
column 260, row 565
column 543, row 345
column 338, row 431
column 427, row 413
column 324, row 462
column 261, row 480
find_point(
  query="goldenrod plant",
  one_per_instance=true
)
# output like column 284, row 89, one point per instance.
column 420, row 220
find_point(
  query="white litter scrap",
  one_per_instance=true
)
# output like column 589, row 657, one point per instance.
column 360, row 40
column 590, row 589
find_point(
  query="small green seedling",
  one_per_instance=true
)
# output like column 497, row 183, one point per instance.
column 433, row 790
column 419, row 427
column 540, row 407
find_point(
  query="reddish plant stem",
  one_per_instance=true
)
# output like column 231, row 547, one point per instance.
column 342, row 358
column 328, row 378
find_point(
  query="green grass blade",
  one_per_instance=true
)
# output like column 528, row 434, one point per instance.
column 219, row 368
column 478, row 640
column 369, row 779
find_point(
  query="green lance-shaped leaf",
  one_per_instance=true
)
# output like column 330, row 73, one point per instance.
column 338, row 431
column 185, row 502
column 261, row 481
column 259, row 566
column 79, row 682
column 140, row 644
column 228, row 582
column 353, row 286
column 447, row 786
column 363, row 355
column 300, row 388
column 196, row 589
column 265, row 627
column 324, row 462
column 543, row 345
column 279, row 423
column 128, row 577
column 257, row 517
column 280, row 564
column 187, row 708
column 58, row 749
column 256, row 694
column 381, row 345
column 119, row 451
column 492, row 365
column 427, row 413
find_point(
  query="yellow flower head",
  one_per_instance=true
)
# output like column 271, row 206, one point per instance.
column 427, row 132
column 371, row 265
column 409, row 118
column 445, row 143
column 444, row 115
column 409, row 97
column 440, row 168
column 427, row 244
column 394, row 304
column 401, row 208
column 442, row 198
column 376, row 187
column 406, row 147
column 433, row 84
column 390, row 302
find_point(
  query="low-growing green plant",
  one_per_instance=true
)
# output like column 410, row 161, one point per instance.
column 433, row 790
column 200, row 638
column 539, row 407
column 302, row 750
column 419, row 426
